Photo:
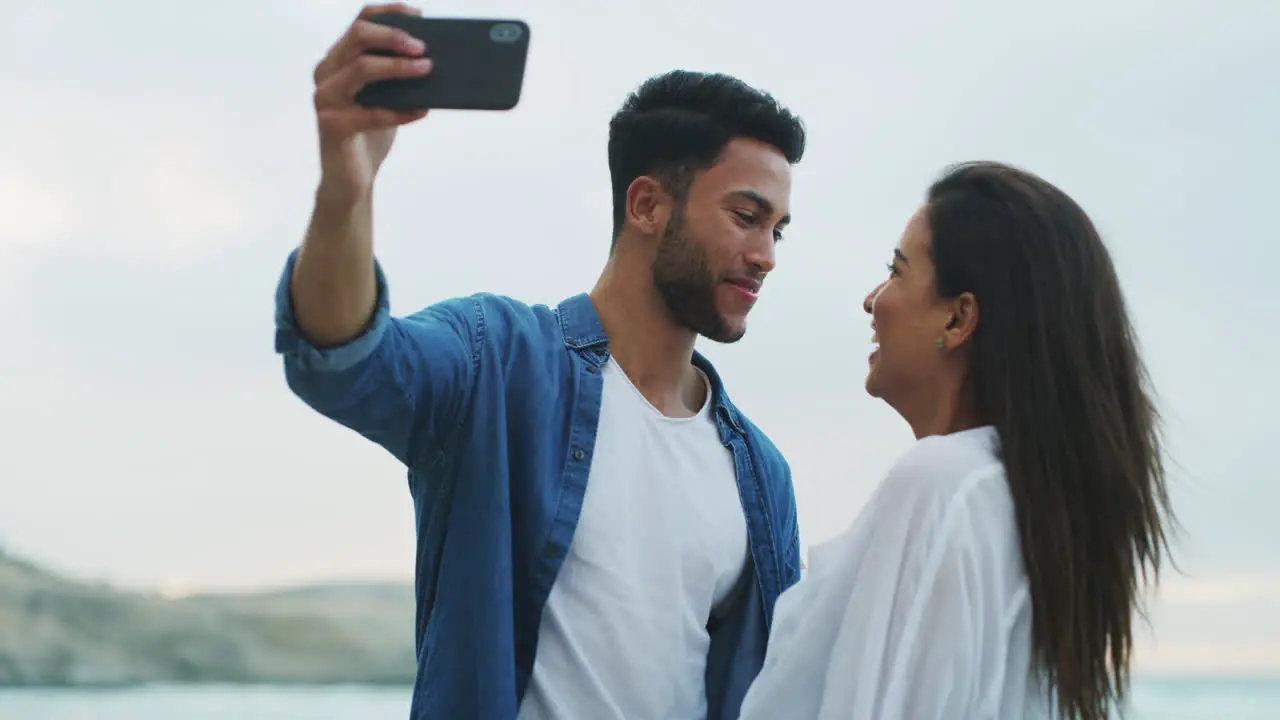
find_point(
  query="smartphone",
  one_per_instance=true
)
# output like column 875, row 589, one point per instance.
column 476, row 65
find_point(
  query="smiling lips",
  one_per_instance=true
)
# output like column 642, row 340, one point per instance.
column 750, row 288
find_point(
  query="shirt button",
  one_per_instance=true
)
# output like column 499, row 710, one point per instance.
column 579, row 454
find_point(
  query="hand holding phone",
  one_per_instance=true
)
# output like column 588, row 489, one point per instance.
column 355, row 140
column 478, row 65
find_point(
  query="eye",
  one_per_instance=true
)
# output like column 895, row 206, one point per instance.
column 893, row 269
column 746, row 218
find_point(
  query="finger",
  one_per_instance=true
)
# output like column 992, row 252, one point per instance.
column 340, row 89
column 362, row 37
column 369, row 11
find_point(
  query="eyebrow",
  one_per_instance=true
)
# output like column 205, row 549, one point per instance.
column 761, row 202
column 900, row 256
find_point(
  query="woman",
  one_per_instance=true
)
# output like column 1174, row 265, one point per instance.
column 997, row 570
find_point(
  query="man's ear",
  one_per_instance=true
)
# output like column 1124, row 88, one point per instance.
column 963, row 321
column 648, row 206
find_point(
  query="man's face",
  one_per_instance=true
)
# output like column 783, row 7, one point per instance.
column 719, row 244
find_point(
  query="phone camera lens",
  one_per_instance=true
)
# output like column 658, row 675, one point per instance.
column 505, row 33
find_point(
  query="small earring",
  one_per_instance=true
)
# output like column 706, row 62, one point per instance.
column 940, row 343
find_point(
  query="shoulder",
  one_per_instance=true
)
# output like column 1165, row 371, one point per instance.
column 490, row 317
column 946, row 466
column 943, row 509
column 493, row 308
column 948, row 484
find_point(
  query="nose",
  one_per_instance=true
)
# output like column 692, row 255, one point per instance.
column 869, row 302
column 762, row 256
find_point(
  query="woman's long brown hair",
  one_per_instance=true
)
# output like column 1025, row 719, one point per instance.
column 1056, row 370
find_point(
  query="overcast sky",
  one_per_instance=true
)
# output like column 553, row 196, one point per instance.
column 157, row 162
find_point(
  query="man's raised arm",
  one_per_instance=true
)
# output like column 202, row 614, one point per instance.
column 395, row 381
column 334, row 292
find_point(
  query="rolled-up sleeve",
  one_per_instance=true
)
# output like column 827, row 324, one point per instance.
column 307, row 357
column 400, row 383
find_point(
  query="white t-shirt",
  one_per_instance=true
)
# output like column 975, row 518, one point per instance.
column 919, row 611
column 661, row 540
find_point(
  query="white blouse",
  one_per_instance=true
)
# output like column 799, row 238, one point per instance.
column 919, row 611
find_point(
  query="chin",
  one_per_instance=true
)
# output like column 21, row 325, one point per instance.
column 727, row 334
column 871, row 386
column 728, row 330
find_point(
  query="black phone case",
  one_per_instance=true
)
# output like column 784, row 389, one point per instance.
column 477, row 65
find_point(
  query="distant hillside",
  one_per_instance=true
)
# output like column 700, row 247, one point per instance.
column 55, row 631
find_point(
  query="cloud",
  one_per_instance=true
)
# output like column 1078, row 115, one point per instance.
column 175, row 195
column 1221, row 658
column 1221, row 591
column 1226, row 625
column 33, row 209
column 140, row 181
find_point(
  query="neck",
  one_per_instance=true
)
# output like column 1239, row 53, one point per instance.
column 651, row 347
column 941, row 411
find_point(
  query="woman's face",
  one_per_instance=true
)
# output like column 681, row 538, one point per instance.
column 907, row 320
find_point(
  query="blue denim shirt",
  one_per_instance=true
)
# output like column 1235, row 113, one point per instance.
column 492, row 405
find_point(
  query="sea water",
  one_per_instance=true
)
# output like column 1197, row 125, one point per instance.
column 1187, row 699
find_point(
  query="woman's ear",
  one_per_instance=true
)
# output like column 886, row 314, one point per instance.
column 963, row 321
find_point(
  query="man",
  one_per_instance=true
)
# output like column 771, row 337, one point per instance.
column 601, row 533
